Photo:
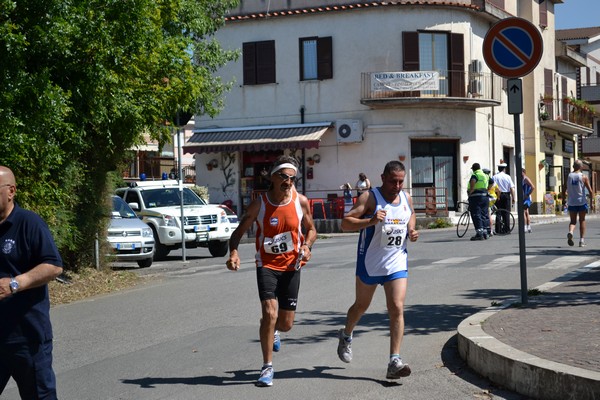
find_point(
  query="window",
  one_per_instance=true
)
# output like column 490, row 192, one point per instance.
column 259, row 62
column 316, row 58
column 433, row 55
column 436, row 51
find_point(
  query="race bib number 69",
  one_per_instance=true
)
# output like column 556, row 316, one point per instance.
column 281, row 243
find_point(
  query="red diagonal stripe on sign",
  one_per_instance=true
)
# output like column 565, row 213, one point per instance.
column 511, row 46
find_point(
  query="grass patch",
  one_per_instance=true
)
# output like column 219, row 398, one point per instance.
column 440, row 223
column 88, row 283
column 534, row 292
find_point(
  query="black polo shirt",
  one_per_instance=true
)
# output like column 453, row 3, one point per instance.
column 25, row 242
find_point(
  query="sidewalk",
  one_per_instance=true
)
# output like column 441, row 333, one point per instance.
column 549, row 349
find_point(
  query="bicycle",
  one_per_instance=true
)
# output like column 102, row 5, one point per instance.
column 497, row 214
column 465, row 219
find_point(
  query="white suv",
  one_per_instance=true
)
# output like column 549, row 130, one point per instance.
column 159, row 205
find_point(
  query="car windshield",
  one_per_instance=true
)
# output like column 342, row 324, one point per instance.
column 120, row 209
column 169, row 197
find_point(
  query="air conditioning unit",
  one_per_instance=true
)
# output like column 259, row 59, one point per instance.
column 349, row 130
column 475, row 87
column 476, row 66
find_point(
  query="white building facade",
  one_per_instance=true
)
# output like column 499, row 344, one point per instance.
column 347, row 86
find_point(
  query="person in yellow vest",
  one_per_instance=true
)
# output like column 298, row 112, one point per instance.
column 478, row 202
column 493, row 195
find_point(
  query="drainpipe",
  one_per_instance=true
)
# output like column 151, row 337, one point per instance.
column 303, row 155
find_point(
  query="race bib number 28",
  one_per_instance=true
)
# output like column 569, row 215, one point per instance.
column 392, row 235
column 281, row 243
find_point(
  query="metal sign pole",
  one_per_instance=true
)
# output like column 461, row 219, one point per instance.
column 180, row 173
column 515, row 107
column 520, row 210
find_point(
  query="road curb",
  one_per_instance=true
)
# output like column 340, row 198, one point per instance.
column 519, row 371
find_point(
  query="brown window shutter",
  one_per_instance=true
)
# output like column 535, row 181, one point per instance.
column 565, row 93
column 410, row 57
column 410, row 51
column 543, row 7
column 324, row 58
column 549, row 90
column 249, row 63
column 457, row 65
column 265, row 62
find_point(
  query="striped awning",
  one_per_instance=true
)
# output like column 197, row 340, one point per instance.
column 257, row 138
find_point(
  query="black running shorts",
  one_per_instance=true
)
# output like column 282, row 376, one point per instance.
column 280, row 285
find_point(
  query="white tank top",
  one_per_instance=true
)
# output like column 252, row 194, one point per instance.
column 575, row 189
column 382, row 248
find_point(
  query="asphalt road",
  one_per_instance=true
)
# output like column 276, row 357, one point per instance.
column 192, row 331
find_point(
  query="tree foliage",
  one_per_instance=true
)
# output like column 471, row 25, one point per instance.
column 82, row 80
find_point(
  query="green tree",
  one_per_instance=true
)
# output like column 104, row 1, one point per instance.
column 82, row 80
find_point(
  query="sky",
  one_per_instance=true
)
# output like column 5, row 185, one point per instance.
column 577, row 14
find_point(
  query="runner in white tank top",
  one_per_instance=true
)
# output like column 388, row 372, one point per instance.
column 385, row 219
column 382, row 247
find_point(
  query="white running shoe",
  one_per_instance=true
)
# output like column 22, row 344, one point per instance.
column 344, row 349
column 397, row 369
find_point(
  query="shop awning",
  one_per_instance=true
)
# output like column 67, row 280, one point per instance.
column 257, row 138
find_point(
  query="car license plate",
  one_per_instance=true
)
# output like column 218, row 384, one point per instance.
column 125, row 246
column 202, row 237
column 201, row 228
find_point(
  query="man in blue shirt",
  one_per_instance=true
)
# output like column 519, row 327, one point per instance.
column 29, row 260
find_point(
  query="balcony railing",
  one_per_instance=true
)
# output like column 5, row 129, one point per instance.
column 567, row 111
column 448, row 89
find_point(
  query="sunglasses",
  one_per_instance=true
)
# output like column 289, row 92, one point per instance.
column 286, row 177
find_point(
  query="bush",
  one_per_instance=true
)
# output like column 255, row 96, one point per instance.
column 440, row 223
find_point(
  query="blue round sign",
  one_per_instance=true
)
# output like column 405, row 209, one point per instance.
column 512, row 47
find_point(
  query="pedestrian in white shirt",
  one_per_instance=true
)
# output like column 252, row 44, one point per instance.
column 507, row 195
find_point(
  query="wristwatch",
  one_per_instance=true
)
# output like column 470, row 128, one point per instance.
column 14, row 285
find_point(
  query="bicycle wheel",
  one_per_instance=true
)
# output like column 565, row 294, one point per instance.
column 463, row 224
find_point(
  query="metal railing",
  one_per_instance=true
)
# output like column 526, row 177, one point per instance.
column 432, row 201
column 451, row 84
column 562, row 110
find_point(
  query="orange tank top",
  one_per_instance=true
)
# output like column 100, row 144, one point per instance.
column 279, row 234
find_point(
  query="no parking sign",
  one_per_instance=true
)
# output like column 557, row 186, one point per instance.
column 513, row 47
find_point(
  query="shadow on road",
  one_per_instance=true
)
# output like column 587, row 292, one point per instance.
column 246, row 377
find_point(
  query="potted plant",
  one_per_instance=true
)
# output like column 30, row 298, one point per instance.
column 547, row 98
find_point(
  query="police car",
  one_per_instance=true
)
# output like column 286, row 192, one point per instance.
column 158, row 203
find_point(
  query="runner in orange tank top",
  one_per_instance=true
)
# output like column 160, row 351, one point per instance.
column 281, row 251
column 279, row 233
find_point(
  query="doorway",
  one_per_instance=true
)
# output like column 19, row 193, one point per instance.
column 433, row 164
